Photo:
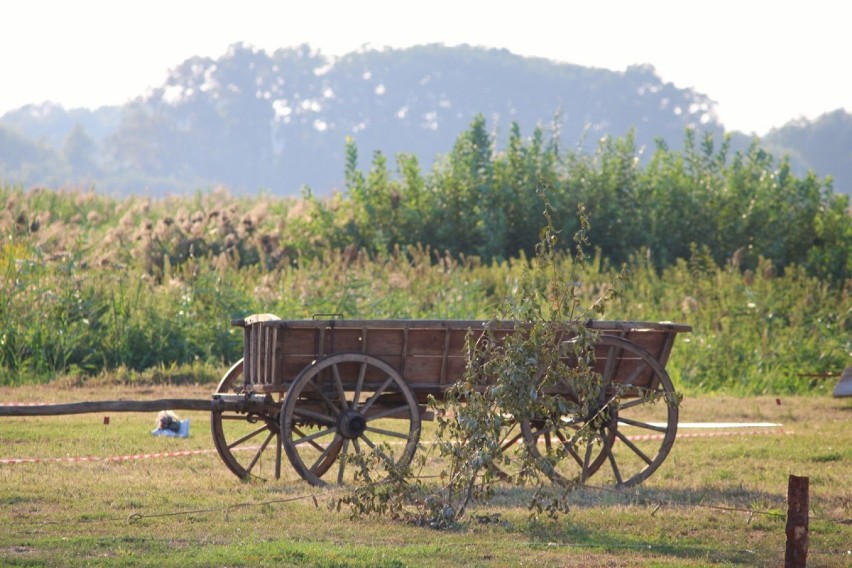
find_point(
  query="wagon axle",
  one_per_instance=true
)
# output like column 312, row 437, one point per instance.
column 351, row 424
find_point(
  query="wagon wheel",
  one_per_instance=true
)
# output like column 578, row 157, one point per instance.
column 632, row 430
column 247, row 443
column 349, row 408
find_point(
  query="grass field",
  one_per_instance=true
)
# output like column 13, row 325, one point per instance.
column 716, row 501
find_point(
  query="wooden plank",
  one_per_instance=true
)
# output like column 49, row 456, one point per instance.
column 427, row 341
column 346, row 340
column 299, row 341
column 651, row 341
column 424, row 369
column 382, row 341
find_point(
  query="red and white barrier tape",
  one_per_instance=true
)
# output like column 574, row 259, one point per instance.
column 105, row 459
column 650, row 437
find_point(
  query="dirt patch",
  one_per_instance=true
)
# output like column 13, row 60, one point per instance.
column 17, row 550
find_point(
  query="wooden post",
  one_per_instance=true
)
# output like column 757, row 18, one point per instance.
column 796, row 555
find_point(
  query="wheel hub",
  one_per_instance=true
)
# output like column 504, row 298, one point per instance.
column 351, row 424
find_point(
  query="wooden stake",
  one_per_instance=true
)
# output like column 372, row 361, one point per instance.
column 796, row 555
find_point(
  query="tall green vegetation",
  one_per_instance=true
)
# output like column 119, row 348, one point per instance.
column 483, row 201
column 757, row 259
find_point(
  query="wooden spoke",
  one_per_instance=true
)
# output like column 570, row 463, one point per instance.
column 324, row 455
column 316, row 416
column 569, row 447
column 260, row 451
column 608, row 450
column 587, row 463
column 504, row 465
column 335, row 372
column 386, row 413
column 563, row 459
column 368, row 441
column 247, row 437
column 390, row 433
column 314, row 436
column 376, row 449
column 359, row 384
column 342, row 467
column 645, row 425
column 314, row 444
column 506, row 442
column 328, row 402
column 376, row 395
column 633, row 447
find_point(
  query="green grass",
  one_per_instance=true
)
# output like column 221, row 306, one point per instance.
column 190, row 511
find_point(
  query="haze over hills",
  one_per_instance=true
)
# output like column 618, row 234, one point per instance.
column 252, row 120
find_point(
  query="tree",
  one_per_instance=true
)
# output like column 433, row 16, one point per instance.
column 79, row 151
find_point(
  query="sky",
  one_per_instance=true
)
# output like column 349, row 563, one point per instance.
column 763, row 62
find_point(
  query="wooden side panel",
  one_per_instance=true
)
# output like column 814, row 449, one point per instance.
column 343, row 340
column 384, row 342
column 297, row 341
column 429, row 354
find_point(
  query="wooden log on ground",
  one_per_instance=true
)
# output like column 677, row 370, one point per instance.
column 107, row 406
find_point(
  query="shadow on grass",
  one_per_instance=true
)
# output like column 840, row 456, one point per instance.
column 614, row 520
column 623, row 540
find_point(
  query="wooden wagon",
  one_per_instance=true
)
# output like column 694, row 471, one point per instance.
column 325, row 392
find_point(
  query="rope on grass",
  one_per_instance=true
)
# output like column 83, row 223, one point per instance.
column 226, row 509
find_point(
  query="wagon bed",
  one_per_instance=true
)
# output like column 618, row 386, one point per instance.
column 429, row 354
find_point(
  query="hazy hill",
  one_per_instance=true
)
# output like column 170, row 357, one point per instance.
column 823, row 145
column 256, row 120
